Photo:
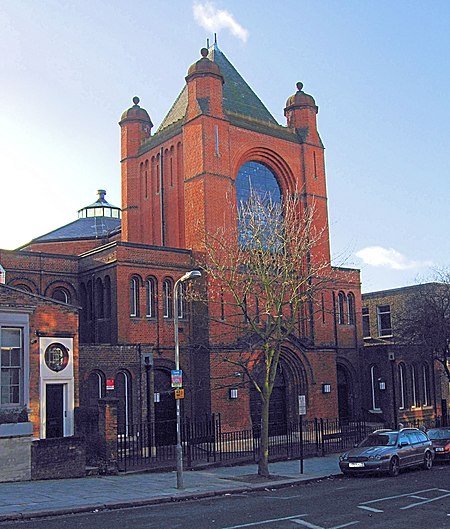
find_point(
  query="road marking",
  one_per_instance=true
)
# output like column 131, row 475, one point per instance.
column 307, row 524
column 423, row 502
column 418, row 497
column 372, row 509
column 400, row 496
column 264, row 522
column 343, row 525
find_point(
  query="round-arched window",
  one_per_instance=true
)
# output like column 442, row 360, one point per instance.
column 258, row 198
column 257, row 178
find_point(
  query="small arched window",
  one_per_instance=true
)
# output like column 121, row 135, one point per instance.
column 341, row 308
column 23, row 287
column 134, row 297
column 96, row 387
column 167, row 298
column 351, row 308
column 414, row 387
column 150, row 303
column 61, row 294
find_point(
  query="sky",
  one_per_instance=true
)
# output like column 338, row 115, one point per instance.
column 379, row 72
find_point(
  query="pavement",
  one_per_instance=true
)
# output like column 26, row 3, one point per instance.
column 36, row 499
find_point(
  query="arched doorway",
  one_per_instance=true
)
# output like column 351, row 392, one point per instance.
column 277, row 407
column 343, row 389
column 123, row 393
column 165, row 409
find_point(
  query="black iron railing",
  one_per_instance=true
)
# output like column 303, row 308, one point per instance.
column 204, row 441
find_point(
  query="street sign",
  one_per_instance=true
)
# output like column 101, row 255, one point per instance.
column 109, row 384
column 177, row 378
column 179, row 393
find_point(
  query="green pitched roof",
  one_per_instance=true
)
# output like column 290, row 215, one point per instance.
column 238, row 97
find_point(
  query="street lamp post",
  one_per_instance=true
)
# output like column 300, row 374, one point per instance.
column 179, row 449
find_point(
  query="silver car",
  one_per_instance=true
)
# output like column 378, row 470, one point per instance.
column 388, row 451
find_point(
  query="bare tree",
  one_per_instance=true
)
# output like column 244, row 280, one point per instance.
column 264, row 272
column 425, row 319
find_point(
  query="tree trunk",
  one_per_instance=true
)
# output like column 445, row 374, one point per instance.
column 263, row 462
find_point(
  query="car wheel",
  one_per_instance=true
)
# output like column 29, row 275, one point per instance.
column 394, row 467
column 428, row 461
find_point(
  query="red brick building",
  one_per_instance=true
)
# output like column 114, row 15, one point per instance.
column 39, row 360
column 179, row 183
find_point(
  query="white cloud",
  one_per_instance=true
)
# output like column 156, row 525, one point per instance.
column 389, row 258
column 213, row 19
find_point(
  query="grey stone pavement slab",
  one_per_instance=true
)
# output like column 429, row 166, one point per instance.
column 20, row 500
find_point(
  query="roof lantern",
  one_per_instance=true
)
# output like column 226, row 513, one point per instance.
column 100, row 208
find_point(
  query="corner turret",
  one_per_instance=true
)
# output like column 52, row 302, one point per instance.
column 136, row 127
column 300, row 112
column 204, row 81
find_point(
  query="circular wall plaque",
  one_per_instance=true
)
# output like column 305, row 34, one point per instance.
column 56, row 357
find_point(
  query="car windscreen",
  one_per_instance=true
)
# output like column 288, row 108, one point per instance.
column 381, row 439
column 439, row 434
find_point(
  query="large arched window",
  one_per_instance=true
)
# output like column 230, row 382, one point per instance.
column 254, row 180
column 150, row 290
column 351, row 308
column 167, row 298
column 414, row 387
column 99, row 298
column 134, row 296
column 107, row 297
column 375, row 387
column 402, row 386
column 341, row 308
column 181, row 300
column 426, row 385
column 84, row 305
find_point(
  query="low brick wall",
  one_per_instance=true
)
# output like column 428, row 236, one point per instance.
column 63, row 457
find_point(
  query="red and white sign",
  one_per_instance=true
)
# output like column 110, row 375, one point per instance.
column 109, row 384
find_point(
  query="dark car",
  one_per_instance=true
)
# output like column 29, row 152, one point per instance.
column 440, row 437
column 388, row 451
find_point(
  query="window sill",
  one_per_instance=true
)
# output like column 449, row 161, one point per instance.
column 378, row 410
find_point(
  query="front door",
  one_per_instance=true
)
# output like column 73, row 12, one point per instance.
column 54, row 406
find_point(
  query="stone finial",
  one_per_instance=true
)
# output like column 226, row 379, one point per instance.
column 136, row 100
column 299, row 86
column 204, row 52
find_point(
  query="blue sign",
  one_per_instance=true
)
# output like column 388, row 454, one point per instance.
column 176, row 378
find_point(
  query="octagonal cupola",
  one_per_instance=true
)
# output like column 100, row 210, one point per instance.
column 100, row 208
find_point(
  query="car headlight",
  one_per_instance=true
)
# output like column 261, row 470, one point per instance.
column 378, row 457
